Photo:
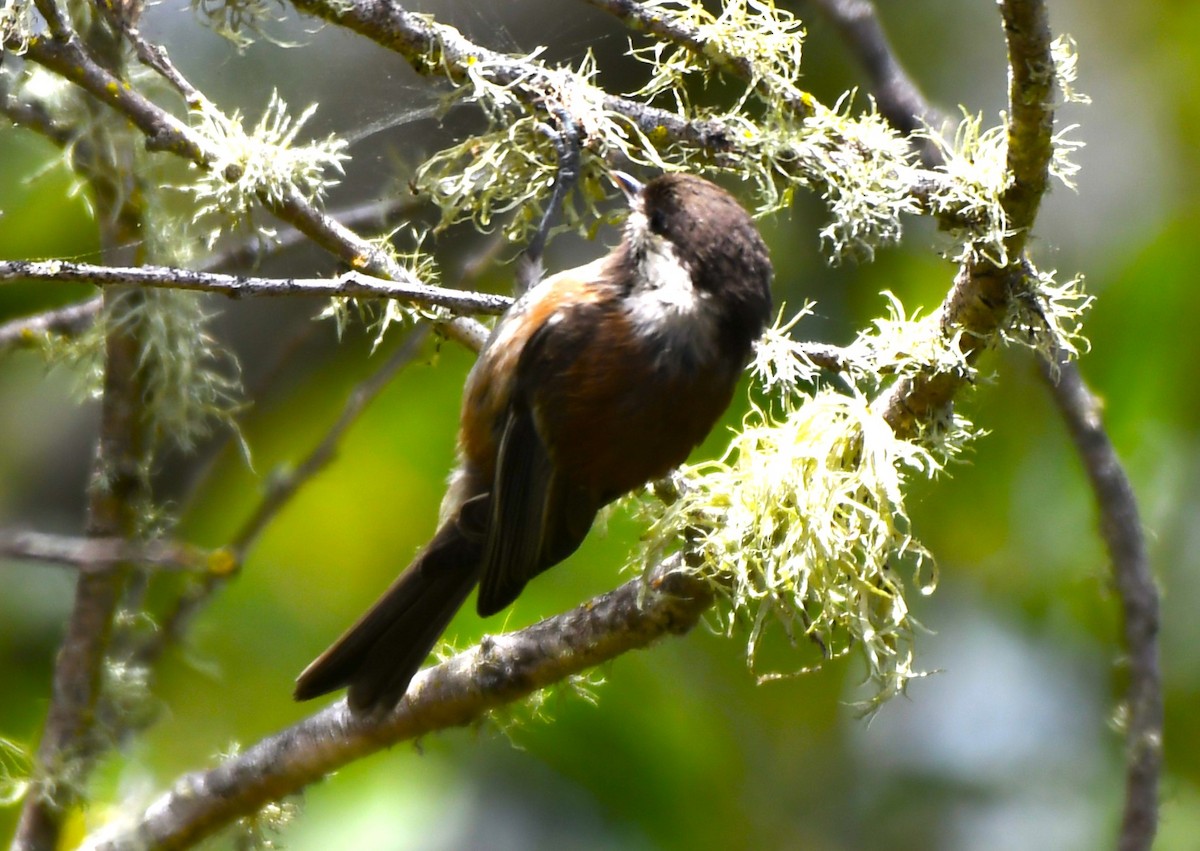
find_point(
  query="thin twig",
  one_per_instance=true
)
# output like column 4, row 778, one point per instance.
column 899, row 99
column 567, row 137
column 346, row 285
column 676, row 31
column 29, row 331
column 1134, row 581
column 32, row 115
column 282, row 486
column 153, row 56
column 101, row 554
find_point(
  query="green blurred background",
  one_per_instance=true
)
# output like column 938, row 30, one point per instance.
column 1013, row 744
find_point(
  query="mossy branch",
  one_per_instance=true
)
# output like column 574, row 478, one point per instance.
column 766, row 59
column 902, row 102
column 68, row 57
column 75, row 736
column 984, row 290
column 499, row 671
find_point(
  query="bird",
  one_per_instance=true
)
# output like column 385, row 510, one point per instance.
column 596, row 381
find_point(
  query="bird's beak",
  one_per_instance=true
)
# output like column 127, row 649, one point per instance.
column 629, row 186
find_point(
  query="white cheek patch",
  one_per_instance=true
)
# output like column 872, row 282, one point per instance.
column 665, row 303
column 666, row 278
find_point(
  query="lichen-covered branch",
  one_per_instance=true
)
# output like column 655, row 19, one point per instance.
column 733, row 144
column 903, row 103
column 984, row 289
column 164, row 132
column 73, row 739
column 501, row 670
column 701, row 38
column 1031, row 91
column 437, row 49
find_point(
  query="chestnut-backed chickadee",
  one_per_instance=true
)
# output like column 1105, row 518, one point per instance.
column 597, row 380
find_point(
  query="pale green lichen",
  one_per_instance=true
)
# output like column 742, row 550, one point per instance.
column 781, row 365
column 976, row 162
column 127, row 701
column 379, row 315
column 16, row 25
column 1065, row 55
column 904, row 343
column 16, row 772
column 263, row 164
column 1062, row 164
column 240, row 21
column 189, row 381
column 803, row 523
column 860, row 166
column 509, row 170
column 538, row 706
column 1066, row 72
column 760, row 37
column 1047, row 316
column 263, row 828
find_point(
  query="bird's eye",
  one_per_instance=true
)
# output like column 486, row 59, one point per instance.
column 658, row 222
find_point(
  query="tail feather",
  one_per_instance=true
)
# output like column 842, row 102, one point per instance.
column 378, row 656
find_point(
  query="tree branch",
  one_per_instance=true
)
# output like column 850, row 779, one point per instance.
column 283, row 486
column 348, row 284
column 673, row 30
column 900, row 100
column 72, row 739
column 164, row 132
column 983, row 290
column 499, row 671
column 28, row 332
column 902, row 103
column 102, row 554
column 1122, row 530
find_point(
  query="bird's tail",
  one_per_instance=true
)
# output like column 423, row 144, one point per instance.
column 378, row 656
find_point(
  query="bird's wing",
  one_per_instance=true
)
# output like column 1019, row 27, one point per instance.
column 539, row 516
column 514, row 542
